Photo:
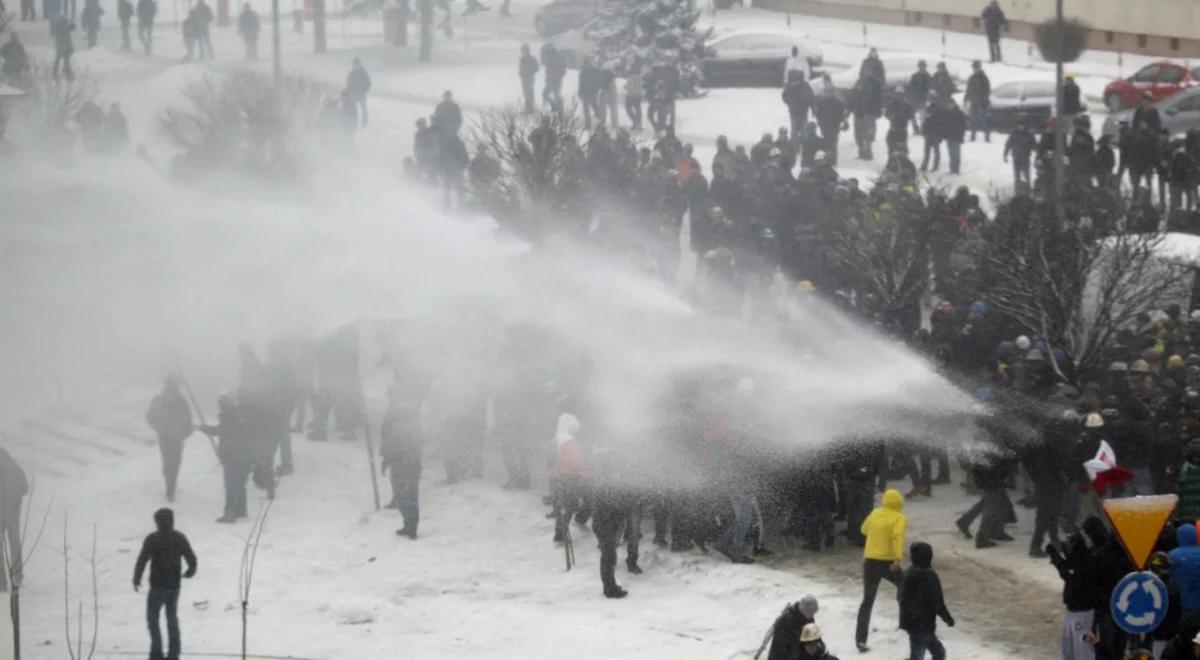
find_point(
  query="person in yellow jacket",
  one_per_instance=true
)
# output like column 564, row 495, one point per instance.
column 884, row 529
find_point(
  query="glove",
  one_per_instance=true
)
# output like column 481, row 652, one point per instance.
column 189, row 573
column 136, row 586
column 383, row 468
column 950, row 622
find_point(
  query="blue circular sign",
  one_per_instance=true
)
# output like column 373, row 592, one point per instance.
column 1139, row 603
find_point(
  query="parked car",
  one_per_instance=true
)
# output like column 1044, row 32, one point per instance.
column 1030, row 102
column 754, row 59
column 898, row 68
column 560, row 15
column 573, row 45
column 1161, row 79
column 1179, row 113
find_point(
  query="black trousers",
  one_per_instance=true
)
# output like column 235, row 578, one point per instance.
column 994, row 47
column 633, row 108
column 874, row 570
column 172, row 455
column 1021, row 172
column 236, row 475
column 406, row 491
column 860, row 497
column 1049, row 498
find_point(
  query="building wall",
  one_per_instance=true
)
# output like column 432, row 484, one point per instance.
column 1151, row 27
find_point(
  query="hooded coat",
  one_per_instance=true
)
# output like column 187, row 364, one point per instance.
column 165, row 550
column 921, row 601
column 885, row 529
column 1185, row 567
column 785, row 634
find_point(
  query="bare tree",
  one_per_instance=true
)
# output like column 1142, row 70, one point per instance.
column 1075, row 287
column 538, row 155
column 246, row 575
column 18, row 557
column 885, row 250
column 51, row 103
column 77, row 653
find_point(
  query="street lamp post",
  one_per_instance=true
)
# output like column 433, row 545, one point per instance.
column 1060, row 129
column 277, row 61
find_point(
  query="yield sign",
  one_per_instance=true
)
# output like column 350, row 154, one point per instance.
column 1138, row 522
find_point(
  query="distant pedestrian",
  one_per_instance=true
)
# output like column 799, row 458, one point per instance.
column 235, row 453
column 798, row 97
column 993, row 20
column 1020, row 145
column 635, row 91
column 447, row 116
column 943, row 83
column 188, row 29
column 358, row 84
column 146, row 11
column 796, row 65
column 16, row 60
column 61, row 28
column 527, row 69
column 556, row 70
column 203, row 15
column 166, row 550
column 249, row 26
column 920, row 84
column 956, row 130
column 171, row 418
column 125, row 15
column 90, row 19
column 978, row 99
column 401, row 451
column 884, row 530
column 1072, row 103
column 28, row 10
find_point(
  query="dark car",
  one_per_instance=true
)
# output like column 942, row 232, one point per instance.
column 561, row 15
column 754, row 59
column 1030, row 102
column 1160, row 79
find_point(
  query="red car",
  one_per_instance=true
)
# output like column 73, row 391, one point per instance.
column 1161, row 79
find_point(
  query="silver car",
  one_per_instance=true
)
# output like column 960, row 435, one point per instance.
column 1179, row 113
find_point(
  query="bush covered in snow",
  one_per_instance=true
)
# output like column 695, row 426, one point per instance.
column 240, row 122
column 41, row 118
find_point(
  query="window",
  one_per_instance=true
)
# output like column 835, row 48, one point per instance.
column 1109, row 37
column 1146, row 75
column 918, row 17
column 1142, row 40
column 1174, row 43
column 1170, row 75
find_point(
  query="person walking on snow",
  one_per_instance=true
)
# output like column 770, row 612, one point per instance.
column 527, row 68
column 798, row 63
column 90, row 19
column 358, row 83
column 884, row 530
column 922, row 604
column 146, row 10
column 165, row 550
column 978, row 99
column 203, row 16
column 993, row 20
column 61, row 28
column 798, row 97
column 401, row 449
column 125, row 15
column 171, row 418
column 248, row 28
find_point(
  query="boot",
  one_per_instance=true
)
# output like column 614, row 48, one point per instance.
column 633, row 567
column 615, row 592
column 963, row 527
column 410, row 532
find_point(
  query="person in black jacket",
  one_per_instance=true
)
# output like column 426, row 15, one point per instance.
column 358, row 83
column 146, row 10
column 1019, row 145
column 1081, row 153
column 527, row 68
column 831, row 117
column 1078, row 567
column 865, row 105
column 1072, row 105
column 956, row 130
column 921, row 604
column 934, row 131
column 165, row 550
column 993, row 19
column 978, row 99
column 14, row 486
column 248, row 29
column 236, row 455
column 589, row 93
column 1106, row 162
column 1147, row 114
column 943, row 83
column 899, row 114
column 798, row 96
column 401, row 449
column 171, row 418
column 447, row 116
column 920, row 84
column 784, row 634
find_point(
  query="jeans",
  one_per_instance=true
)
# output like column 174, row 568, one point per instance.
column 874, row 570
column 994, row 47
column 156, row 600
column 954, row 149
column 919, row 643
column 979, row 121
column 799, row 122
column 172, row 455
column 527, row 93
column 932, row 148
column 1021, row 172
column 633, row 108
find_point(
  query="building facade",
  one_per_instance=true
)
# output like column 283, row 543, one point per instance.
column 1169, row 28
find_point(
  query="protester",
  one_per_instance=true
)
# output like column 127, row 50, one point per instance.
column 993, row 21
column 165, row 550
column 922, row 604
column 884, row 530
column 248, row 29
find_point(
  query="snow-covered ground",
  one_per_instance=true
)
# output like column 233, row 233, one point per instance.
column 484, row 580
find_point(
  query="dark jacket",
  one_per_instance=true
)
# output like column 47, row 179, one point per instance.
column 919, row 85
column 830, row 113
column 358, row 82
column 249, row 24
column 798, row 95
column 956, row 124
column 993, row 19
column 785, row 635
column 1072, row 105
column 146, row 10
column 448, row 116
column 400, row 439
column 943, row 84
column 527, row 67
column 165, row 550
column 1149, row 116
column 872, row 68
column 979, row 90
column 921, row 601
column 234, row 435
column 1020, row 144
column 16, row 60
column 170, row 415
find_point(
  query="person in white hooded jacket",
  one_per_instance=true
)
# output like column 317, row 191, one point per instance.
column 796, row 62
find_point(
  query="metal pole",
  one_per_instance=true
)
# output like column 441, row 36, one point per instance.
column 275, row 51
column 1060, row 129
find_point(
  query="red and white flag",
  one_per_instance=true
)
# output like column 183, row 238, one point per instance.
column 1103, row 470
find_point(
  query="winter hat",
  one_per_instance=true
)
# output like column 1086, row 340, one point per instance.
column 1175, row 362
column 922, row 554
column 1023, row 343
column 1034, row 355
column 1151, row 355
column 1094, row 421
column 809, row 606
column 1195, row 315
column 811, row 633
column 1118, row 367
column 164, row 519
column 806, row 286
column 1139, row 367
